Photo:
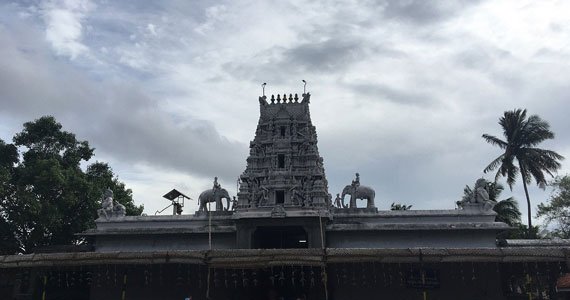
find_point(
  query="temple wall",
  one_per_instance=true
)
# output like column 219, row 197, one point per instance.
column 410, row 239
column 164, row 242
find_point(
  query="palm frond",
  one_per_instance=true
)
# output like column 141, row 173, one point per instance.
column 494, row 164
column 509, row 170
column 493, row 140
column 494, row 189
column 512, row 124
column 536, row 131
column 508, row 211
column 540, row 161
column 467, row 193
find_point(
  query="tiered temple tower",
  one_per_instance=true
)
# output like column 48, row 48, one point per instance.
column 284, row 167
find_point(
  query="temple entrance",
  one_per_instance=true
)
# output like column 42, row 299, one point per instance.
column 279, row 197
column 280, row 237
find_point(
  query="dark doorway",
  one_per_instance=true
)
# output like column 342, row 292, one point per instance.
column 281, row 161
column 279, row 197
column 280, row 237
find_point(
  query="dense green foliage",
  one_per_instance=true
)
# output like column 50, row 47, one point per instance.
column 522, row 135
column 557, row 209
column 45, row 198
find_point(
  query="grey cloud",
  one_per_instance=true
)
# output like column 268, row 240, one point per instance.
column 490, row 61
column 330, row 56
column 550, row 54
column 317, row 58
column 424, row 160
column 420, row 12
column 119, row 120
column 548, row 102
column 323, row 57
column 481, row 58
column 381, row 92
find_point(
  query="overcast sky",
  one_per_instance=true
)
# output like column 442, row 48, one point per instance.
column 166, row 91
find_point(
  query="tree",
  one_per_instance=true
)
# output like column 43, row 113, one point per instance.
column 522, row 136
column 557, row 209
column 507, row 209
column 47, row 197
column 398, row 206
column 101, row 176
column 8, row 158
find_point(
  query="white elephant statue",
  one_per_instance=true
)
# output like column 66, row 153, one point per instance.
column 359, row 192
column 213, row 195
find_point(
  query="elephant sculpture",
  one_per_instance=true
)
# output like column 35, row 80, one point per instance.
column 359, row 192
column 213, row 195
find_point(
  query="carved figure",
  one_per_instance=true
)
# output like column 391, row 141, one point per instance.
column 278, row 212
column 216, row 184
column 293, row 127
column 356, row 182
column 480, row 194
column 234, row 204
column 109, row 208
column 360, row 192
column 306, row 182
column 339, row 202
column 213, row 195
column 263, row 196
column 479, row 197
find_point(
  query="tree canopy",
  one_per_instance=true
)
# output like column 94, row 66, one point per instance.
column 522, row 135
column 557, row 209
column 45, row 198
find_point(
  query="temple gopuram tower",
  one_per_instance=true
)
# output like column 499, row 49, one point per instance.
column 284, row 167
column 283, row 194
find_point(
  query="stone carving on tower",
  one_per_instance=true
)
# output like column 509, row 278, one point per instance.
column 284, row 167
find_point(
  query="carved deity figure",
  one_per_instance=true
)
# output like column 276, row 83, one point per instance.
column 263, row 197
column 338, row 202
column 480, row 194
column 217, row 186
column 293, row 128
column 109, row 208
column 479, row 197
column 356, row 182
column 307, row 201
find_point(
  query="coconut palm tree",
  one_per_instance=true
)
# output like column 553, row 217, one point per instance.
column 507, row 209
column 522, row 136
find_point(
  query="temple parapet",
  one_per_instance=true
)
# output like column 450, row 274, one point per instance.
column 284, row 99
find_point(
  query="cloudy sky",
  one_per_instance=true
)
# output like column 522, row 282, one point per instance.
column 166, row 91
